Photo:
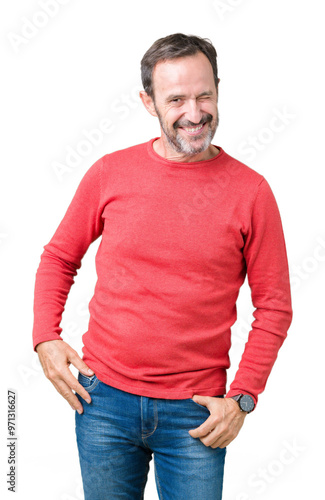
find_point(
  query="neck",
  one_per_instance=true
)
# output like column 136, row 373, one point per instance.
column 163, row 149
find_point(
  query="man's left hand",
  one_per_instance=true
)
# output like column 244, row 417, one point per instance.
column 223, row 424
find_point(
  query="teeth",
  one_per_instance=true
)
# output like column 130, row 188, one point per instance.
column 193, row 129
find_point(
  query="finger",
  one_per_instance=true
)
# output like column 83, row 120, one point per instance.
column 67, row 393
column 73, row 383
column 209, row 439
column 204, row 429
column 224, row 439
column 199, row 432
column 223, row 443
column 78, row 363
column 217, row 442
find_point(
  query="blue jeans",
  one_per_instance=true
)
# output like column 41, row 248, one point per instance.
column 117, row 434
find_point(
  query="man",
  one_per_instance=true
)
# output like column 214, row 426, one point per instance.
column 182, row 223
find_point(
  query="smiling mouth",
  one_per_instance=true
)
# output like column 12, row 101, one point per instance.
column 194, row 130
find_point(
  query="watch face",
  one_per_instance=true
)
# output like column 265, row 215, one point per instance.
column 247, row 403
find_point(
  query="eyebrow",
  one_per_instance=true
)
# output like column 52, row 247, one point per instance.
column 179, row 96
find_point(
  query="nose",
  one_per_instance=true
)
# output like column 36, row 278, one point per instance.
column 193, row 111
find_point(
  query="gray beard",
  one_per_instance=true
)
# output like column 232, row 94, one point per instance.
column 180, row 144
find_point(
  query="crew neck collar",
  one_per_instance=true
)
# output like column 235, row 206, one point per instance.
column 181, row 164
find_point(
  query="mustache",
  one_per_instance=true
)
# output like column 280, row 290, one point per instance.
column 205, row 119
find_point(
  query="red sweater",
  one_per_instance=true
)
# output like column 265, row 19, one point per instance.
column 177, row 241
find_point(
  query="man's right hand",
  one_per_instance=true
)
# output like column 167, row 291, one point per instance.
column 55, row 357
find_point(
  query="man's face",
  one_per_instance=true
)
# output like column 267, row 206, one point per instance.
column 185, row 100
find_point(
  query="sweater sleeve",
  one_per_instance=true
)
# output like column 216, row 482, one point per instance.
column 268, row 277
column 81, row 225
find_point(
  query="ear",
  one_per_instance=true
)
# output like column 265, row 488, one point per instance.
column 218, row 89
column 148, row 102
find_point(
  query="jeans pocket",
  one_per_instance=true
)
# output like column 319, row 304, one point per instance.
column 200, row 406
column 88, row 383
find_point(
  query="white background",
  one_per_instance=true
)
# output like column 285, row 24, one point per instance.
column 62, row 79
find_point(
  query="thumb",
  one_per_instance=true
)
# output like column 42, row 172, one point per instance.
column 201, row 400
column 80, row 364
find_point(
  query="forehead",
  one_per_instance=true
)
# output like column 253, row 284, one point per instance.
column 184, row 75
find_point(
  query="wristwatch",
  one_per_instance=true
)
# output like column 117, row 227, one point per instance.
column 245, row 402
